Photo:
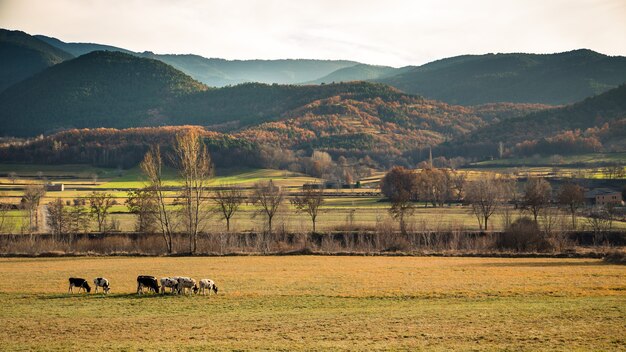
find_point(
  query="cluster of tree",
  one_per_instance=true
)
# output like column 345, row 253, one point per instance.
column 487, row 195
column 404, row 187
column 78, row 215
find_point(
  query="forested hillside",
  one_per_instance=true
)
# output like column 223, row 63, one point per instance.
column 100, row 89
column 562, row 78
column 594, row 124
column 22, row 55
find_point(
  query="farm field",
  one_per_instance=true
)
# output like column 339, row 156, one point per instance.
column 356, row 208
column 314, row 302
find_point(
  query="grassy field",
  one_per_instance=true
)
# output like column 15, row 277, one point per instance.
column 313, row 303
column 565, row 160
column 345, row 207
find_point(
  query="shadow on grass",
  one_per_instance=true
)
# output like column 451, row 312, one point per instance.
column 132, row 295
column 535, row 264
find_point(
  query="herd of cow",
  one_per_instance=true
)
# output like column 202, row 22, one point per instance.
column 178, row 284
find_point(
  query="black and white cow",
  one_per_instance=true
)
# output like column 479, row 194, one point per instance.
column 102, row 282
column 147, row 281
column 185, row 283
column 207, row 285
column 171, row 282
column 82, row 284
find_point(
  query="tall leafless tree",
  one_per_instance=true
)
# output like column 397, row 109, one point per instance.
column 100, row 204
column 4, row 216
column 572, row 197
column 32, row 197
column 485, row 195
column 228, row 199
column 152, row 167
column 269, row 197
column 537, row 195
column 194, row 166
column 58, row 218
column 310, row 201
column 143, row 203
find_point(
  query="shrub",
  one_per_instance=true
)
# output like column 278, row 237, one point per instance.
column 523, row 235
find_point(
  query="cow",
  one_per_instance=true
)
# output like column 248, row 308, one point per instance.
column 185, row 283
column 171, row 282
column 102, row 282
column 147, row 281
column 207, row 285
column 82, row 284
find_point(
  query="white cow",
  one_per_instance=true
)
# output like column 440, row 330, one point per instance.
column 207, row 285
column 185, row 283
column 102, row 282
column 171, row 282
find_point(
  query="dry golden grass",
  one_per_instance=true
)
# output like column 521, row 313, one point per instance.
column 313, row 303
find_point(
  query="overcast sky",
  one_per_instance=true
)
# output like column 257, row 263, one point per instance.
column 386, row 32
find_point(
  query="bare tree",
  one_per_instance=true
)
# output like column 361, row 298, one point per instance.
column 78, row 217
column 143, row 203
column 152, row 167
column 399, row 185
column 32, row 197
column 269, row 197
column 509, row 195
column 485, row 195
column 228, row 199
column 99, row 205
column 94, row 178
column 194, row 166
column 58, row 218
column 599, row 222
column 537, row 195
column 459, row 181
column 572, row 197
column 12, row 177
column 4, row 216
column 310, row 202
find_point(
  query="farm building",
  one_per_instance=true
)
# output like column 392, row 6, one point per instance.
column 603, row 196
column 55, row 187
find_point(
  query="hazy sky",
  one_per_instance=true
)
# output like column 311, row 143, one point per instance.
column 389, row 32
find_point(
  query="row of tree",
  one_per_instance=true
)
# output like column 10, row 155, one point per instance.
column 405, row 187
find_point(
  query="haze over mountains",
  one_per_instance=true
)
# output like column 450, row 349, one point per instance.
column 561, row 78
column 474, row 100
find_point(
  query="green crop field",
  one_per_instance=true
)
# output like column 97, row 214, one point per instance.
column 313, row 303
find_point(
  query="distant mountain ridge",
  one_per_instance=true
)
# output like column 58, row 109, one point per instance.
column 358, row 72
column 556, row 79
column 22, row 55
column 217, row 72
column 78, row 49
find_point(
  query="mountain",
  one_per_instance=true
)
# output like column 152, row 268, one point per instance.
column 220, row 72
column 359, row 72
column 555, row 79
column 98, row 89
column 594, row 124
column 22, row 56
column 78, row 49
